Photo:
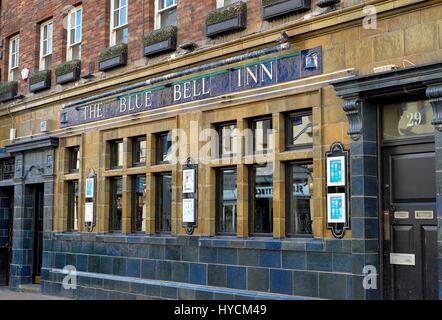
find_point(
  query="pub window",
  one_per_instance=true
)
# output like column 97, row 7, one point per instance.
column 116, row 205
column 223, row 3
column 139, row 151
column 299, row 130
column 163, row 147
column 74, row 159
column 7, row 167
column 262, row 134
column 119, row 29
column 73, row 206
column 163, row 206
column 46, row 45
column 74, row 24
column 261, row 200
column 139, row 204
column 226, row 201
column 406, row 120
column 165, row 13
column 227, row 134
column 116, row 154
column 299, row 193
column 14, row 53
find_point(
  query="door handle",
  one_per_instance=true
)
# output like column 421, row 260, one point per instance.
column 386, row 225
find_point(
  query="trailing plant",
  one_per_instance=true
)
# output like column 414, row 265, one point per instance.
column 226, row 13
column 112, row 52
column 160, row 35
column 8, row 86
column 67, row 67
column 38, row 76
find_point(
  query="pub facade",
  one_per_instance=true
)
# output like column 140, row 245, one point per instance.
column 272, row 150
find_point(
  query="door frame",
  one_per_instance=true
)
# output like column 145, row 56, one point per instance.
column 34, row 192
column 381, row 145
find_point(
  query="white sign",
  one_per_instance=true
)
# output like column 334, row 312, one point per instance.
column 336, row 171
column 90, row 182
column 89, row 212
column 189, row 181
column 189, row 210
column 336, row 208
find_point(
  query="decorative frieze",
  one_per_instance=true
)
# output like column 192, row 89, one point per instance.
column 352, row 108
column 434, row 93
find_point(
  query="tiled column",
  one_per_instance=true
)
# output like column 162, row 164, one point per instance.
column 435, row 95
column 362, row 118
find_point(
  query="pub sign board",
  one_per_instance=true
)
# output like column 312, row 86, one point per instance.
column 260, row 73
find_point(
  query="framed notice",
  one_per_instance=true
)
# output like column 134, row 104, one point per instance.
column 90, row 184
column 188, row 210
column 89, row 212
column 336, row 171
column 336, row 208
column 189, row 181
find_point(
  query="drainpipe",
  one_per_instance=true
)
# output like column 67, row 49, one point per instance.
column 181, row 73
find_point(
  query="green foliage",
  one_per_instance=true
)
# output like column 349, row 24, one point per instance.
column 38, row 76
column 112, row 52
column 160, row 35
column 6, row 87
column 226, row 13
column 67, row 67
column 266, row 3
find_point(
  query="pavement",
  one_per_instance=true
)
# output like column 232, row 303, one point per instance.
column 6, row 294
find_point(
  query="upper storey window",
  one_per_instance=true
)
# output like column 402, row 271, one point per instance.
column 119, row 29
column 14, row 52
column 74, row 33
column 165, row 13
column 46, row 45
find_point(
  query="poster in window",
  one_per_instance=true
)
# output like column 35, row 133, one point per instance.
column 188, row 210
column 336, row 171
column 90, row 187
column 336, row 208
column 189, row 181
column 89, row 212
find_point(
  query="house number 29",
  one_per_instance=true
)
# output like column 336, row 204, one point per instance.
column 413, row 119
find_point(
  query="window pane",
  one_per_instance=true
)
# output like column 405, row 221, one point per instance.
column 139, row 150
column 262, row 133
column 407, row 119
column 139, row 211
column 123, row 15
column 301, row 130
column 227, row 136
column 73, row 206
column 164, row 147
column 300, row 183
column 116, row 206
column 262, row 199
column 168, row 18
column 164, row 202
column 227, row 201
column 116, row 156
column 74, row 161
column 121, row 36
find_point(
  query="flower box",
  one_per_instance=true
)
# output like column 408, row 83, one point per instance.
column 8, row 90
column 227, row 20
column 273, row 9
column 113, row 57
column 40, row 80
column 68, row 72
column 160, row 41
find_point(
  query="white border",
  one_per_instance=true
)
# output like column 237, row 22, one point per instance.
column 88, row 212
column 90, row 193
column 187, row 217
column 191, row 173
column 344, row 213
column 343, row 173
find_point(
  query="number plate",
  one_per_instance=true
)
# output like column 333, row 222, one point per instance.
column 405, row 259
column 423, row 214
column 401, row 214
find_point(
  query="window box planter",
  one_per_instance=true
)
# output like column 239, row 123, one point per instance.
column 68, row 71
column 273, row 9
column 113, row 57
column 160, row 41
column 226, row 20
column 8, row 90
column 327, row 3
column 40, row 80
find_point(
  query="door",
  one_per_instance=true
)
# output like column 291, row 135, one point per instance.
column 410, row 226
column 38, row 194
column 7, row 205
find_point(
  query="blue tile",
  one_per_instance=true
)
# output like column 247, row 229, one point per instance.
column 281, row 281
column 319, row 261
column 332, row 286
column 217, row 275
column 208, row 255
column 119, row 266
column 248, row 257
column 172, row 253
column 164, row 270
column 342, row 262
column 236, row 277
column 293, row 260
column 169, row 292
column 82, row 262
column 133, row 268
column 270, row 259
column 305, row 283
column 106, row 265
column 180, row 271
column 198, row 273
column 227, row 256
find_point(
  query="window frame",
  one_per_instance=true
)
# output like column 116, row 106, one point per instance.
column 289, row 129
column 253, row 128
column 219, row 127
column 158, row 203
column 159, row 151
column 73, row 198
column 219, row 201
column 136, row 149
column 134, row 203
column 73, row 160
column 252, row 186
column 113, row 195
column 14, row 65
column 289, row 180
column 71, row 28
column 158, row 12
column 115, row 155
column 42, row 61
column 114, row 29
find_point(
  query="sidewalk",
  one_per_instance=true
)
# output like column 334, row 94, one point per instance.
column 6, row 294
